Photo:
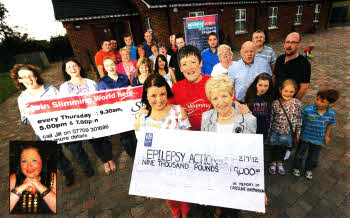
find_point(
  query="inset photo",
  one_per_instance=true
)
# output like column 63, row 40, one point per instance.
column 33, row 177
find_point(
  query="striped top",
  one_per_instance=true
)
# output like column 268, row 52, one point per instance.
column 268, row 54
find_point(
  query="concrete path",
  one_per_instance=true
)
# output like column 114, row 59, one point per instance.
column 327, row 195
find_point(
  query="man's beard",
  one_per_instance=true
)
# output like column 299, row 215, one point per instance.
column 290, row 54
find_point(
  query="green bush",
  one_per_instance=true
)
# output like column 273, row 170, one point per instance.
column 7, row 88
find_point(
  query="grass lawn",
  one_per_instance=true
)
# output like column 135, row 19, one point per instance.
column 7, row 88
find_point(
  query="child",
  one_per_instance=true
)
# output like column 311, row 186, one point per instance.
column 308, row 51
column 280, row 132
column 318, row 120
column 259, row 99
column 143, row 70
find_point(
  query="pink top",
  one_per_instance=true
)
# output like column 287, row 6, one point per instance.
column 130, row 71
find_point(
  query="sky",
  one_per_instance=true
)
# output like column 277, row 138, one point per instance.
column 35, row 17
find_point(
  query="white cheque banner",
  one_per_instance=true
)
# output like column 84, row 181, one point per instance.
column 84, row 117
column 225, row 170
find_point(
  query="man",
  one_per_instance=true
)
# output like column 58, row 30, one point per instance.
column 147, row 43
column 114, row 48
column 128, row 44
column 172, row 48
column 262, row 50
column 210, row 55
column 291, row 65
column 179, row 42
column 244, row 71
column 100, row 55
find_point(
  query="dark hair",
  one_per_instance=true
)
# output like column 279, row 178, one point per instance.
column 212, row 34
column 153, row 44
column 156, row 80
column 104, row 42
column 127, row 35
column 179, row 35
column 252, row 90
column 142, row 47
column 156, row 66
column 160, row 45
column 15, row 77
column 189, row 50
column 331, row 95
column 66, row 75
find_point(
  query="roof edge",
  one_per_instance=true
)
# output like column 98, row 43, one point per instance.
column 96, row 17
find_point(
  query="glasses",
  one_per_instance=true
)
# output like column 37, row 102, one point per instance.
column 291, row 42
column 27, row 77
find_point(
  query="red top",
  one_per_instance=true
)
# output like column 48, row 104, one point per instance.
column 191, row 96
column 102, row 54
column 308, row 48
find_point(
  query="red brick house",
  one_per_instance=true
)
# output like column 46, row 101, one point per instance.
column 90, row 22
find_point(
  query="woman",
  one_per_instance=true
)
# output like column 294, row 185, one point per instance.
column 160, row 114
column 141, row 51
column 172, row 49
column 144, row 69
column 26, row 78
column 127, row 66
column 224, row 117
column 163, row 51
column 32, row 187
column 77, row 84
column 114, row 80
column 225, row 58
column 155, row 53
column 161, row 67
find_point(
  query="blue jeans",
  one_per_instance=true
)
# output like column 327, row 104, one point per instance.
column 281, row 139
column 313, row 155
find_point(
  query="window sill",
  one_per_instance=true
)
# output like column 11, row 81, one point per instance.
column 272, row 28
column 298, row 24
column 316, row 21
column 241, row 33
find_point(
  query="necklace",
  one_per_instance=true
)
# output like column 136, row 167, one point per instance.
column 226, row 118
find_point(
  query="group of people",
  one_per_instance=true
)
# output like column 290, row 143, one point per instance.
column 186, row 89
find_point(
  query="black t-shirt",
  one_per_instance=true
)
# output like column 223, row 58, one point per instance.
column 174, row 64
column 298, row 69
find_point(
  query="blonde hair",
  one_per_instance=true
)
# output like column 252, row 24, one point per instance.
column 109, row 58
column 224, row 48
column 124, row 49
column 144, row 61
column 220, row 82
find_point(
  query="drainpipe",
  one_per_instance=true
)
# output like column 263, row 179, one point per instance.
column 168, row 15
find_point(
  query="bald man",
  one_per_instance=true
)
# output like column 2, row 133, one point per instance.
column 244, row 71
column 291, row 65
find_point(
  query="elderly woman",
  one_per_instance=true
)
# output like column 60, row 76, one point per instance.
column 127, row 66
column 32, row 187
column 225, row 58
column 114, row 80
column 27, row 79
column 224, row 116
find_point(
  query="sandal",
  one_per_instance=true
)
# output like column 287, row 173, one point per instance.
column 281, row 170
column 308, row 175
column 272, row 169
column 296, row 172
column 107, row 168
column 112, row 165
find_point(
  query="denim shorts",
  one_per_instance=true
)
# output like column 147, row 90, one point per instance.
column 281, row 139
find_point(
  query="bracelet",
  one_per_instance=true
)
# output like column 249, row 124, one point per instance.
column 14, row 191
column 47, row 191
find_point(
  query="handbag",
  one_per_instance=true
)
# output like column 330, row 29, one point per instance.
column 294, row 134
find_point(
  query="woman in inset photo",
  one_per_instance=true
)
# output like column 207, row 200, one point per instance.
column 33, row 177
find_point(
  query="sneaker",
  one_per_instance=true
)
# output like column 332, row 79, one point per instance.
column 286, row 156
column 296, row 172
column 272, row 169
column 308, row 175
column 281, row 170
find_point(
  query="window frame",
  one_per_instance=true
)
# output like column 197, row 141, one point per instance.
column 273, row 17
column 299, row 13
column 196, row 13
column 240, row 20
column 317, row 12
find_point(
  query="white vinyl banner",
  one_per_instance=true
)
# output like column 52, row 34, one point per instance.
column 225, row 170
column 84, row 117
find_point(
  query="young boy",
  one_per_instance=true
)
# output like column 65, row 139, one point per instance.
column 318, row 120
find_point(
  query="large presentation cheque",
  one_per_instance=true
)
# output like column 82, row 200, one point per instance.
column 208, row 168
column 84, row 117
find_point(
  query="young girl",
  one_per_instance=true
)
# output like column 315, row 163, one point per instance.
column 143, row 70
column 259, row 99
column 162, row 115
column 280, row 130
column 161, row 67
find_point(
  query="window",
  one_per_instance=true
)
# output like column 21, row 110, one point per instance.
column 197, row 14
column 273, row 11
column 240, row 21
column 298, row 15
column 317, row 13
column 148, row 24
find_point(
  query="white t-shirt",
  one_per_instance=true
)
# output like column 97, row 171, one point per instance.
column 224, row 128
column 218, row 69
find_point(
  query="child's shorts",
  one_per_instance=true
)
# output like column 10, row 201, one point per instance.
column 281, row 139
